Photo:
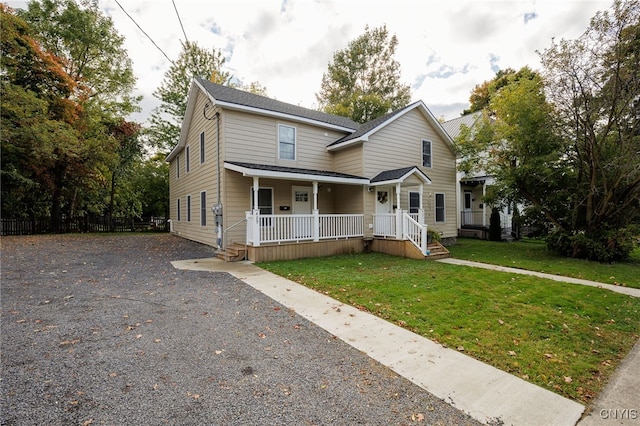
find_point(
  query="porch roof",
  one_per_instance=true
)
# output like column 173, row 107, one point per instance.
column 389, row 177
column 293, row 173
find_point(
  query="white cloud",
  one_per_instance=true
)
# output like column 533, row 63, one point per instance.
column 445, row 47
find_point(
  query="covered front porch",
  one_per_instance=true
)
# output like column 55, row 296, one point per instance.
column 328, row 213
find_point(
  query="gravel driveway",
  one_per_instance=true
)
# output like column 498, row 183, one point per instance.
column 101, row 330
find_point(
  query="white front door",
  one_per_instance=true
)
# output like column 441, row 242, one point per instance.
column 302, row 198
column 384, row 200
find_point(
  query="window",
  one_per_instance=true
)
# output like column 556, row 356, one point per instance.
column 201, row 147
column 414, row 202
column 186, row 159
column 440, row 211
column 286, row 142
column 426, row 153
column 178, row 207
column 178, row 165
column 265, row 200
column 203, row 208
column 188, row 208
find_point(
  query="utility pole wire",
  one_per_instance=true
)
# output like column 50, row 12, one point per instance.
column 143, row 32
column 180, row 20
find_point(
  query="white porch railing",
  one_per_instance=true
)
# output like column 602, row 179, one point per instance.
column 402, row 226
column 302, row 227
column 415, row 232
column 384, row 225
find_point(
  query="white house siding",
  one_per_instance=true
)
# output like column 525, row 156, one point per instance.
column 201, row 177
column 254, row 139
column 399, row 144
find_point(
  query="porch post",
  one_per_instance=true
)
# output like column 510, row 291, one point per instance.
column 399, row 222
column 256, row 212
column 316, row 213
column 421, row 208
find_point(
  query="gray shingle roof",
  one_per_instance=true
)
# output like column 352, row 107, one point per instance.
column 395, row 174
column 240, row 97
column 453, row 126
column 296, row 170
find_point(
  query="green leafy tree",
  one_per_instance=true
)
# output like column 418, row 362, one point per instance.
column 72, row 159
column 91, row 49
column 38, row 137
column 363, row 80
column 166, row 119
column 151, row 179
column 569, row 144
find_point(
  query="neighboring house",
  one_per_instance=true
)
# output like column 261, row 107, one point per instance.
column 472, row 188
column 290, row 182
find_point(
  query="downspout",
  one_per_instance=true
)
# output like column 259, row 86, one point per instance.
column 219, row 202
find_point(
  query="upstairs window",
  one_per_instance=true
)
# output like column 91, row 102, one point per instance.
column 286, row 142
column 186, row 159
column 201, row 147
column 178, row 165
column 426, row 153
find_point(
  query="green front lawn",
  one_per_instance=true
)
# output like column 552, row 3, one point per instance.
column 533, row 255
column 565, row 337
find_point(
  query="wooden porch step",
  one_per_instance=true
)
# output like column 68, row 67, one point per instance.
column 233, row 253
column 438, row 251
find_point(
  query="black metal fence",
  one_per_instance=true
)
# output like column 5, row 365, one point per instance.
column 89, row 223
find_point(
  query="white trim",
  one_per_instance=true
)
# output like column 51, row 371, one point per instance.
column 422, row 141
column 295, row 142
column 419, row 104
column 294, row 176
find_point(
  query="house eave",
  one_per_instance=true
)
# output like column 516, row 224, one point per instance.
column 307, row 177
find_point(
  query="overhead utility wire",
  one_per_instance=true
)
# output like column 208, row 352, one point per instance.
column 180, row 20
column 143, row 32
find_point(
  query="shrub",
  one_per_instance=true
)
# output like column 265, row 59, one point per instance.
column 603, row 246
column 495, row 230
column 433, row 235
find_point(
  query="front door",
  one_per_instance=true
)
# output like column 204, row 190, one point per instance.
column 302, row 225
column 384, row 223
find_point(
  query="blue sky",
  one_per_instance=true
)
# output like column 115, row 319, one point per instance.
column 445, row 47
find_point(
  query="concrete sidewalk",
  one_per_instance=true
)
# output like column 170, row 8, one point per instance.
column 489, row 395
column 635, row 292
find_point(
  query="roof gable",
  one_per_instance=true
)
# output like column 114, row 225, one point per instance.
column 371, row 127
column 389, row 177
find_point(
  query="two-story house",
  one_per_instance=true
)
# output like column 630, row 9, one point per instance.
column 289, row 182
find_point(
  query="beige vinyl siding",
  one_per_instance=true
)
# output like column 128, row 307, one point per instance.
column 254, row 139
column 201, row 177
column 349, row 160
column 399, row 144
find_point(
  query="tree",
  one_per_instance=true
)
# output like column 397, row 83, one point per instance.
column 568, row 144
column 363, row 80
column 166, row 119
column 64, row 139
column 151, row 179
column 37, row 121
column 91, row 49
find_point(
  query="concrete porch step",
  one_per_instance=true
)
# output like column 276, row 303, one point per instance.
column 233, row 253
